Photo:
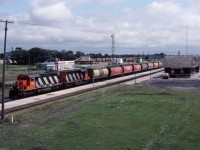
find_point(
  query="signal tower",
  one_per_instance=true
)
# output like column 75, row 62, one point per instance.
column 113, row 46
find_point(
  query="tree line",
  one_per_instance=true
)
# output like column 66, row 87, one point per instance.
column 39, row 55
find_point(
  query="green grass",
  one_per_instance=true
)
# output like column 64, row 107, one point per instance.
column 12, row 71
column 119, row 118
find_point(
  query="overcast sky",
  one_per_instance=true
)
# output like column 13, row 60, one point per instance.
column 140, row 26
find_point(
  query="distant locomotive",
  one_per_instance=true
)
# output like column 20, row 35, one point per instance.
column 32, row 84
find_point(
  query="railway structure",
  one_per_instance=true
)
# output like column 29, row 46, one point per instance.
column 181, row 66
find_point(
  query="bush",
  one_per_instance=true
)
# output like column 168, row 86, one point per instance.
column 32, row 69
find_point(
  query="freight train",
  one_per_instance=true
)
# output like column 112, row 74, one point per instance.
column 33, row 84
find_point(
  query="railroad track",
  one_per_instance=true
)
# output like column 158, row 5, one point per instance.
column 16, row 106
column 7, row 99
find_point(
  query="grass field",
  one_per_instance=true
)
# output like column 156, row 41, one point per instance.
column 12, row 71
column 117, row 118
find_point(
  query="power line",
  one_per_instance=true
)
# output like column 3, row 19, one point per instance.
column 99, row 32
column 149, row 38
column 39, row 25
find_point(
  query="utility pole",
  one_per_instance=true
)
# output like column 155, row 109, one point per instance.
column 4, row 57
column 186, row 42
column 113, row 46
column 29, row 60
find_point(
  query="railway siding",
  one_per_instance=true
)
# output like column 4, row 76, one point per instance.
column 40, row 99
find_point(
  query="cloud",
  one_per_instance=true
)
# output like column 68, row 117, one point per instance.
column 109, row 2
column 52, row 12
column 42, row 3
column 164, row 7
column 55, row 24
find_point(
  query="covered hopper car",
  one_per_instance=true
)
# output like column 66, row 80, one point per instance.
column 98, row 73
column 137, row 68
column 144, row 66
column 115, row 71
column 127, row 69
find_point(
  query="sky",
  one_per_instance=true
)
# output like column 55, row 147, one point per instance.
column 140, row 26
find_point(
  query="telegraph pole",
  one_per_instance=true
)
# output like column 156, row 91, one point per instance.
column 186, row 42
column 113, row 46
column 29, row 60
column 4, row 57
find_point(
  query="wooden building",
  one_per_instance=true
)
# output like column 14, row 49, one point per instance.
column 181, row 66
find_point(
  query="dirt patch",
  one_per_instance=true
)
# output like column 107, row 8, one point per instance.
column 24, row 125
column 39, row 148
column 181, row 84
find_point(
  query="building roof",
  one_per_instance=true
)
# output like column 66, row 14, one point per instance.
column 84, row 58
column 177, row 62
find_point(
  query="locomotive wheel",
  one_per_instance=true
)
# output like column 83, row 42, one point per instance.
column 24, row 94
column 16, row 96
column 35, row 92
column 11, row 95
column 53, row 88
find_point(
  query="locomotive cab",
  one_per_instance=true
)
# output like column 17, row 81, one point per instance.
column 23, row 84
